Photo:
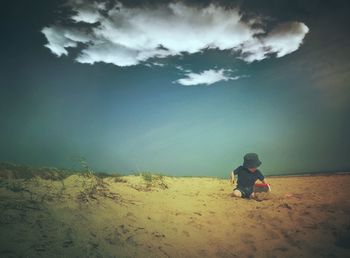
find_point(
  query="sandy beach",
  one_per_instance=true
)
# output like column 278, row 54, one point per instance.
column 160, row 216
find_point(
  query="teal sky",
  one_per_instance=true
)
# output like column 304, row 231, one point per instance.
column 292, row 110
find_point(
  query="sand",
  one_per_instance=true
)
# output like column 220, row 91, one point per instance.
column 84, row 216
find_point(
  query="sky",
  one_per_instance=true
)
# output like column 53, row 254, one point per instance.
column 176, row 87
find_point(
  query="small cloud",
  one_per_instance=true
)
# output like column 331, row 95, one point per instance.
column 154, row 64
column 182, row 69
column 158, row 64
column 206, row 77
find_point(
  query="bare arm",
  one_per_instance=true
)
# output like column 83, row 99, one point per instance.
column 264, row 182
column 232, row 178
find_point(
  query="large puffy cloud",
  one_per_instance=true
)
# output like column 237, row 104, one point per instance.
column 206, row 77
column 127, row 36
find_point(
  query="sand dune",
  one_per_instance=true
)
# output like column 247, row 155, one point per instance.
column 85, row 216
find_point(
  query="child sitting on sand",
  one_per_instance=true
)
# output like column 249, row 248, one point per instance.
column 247, row 176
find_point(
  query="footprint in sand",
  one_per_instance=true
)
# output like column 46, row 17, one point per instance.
column 93, row 244
column 69, row 240
column 114, row 237
column 247, row 239
column 140, row 229
column 272, row 235
column 123, row 229
column 67, row 243
column 186, row 233
column 281, row 249
column 131, row 217
column 276, row 222
column 130, row 240
column 158, row 234
column 8, row 253
column 203, row 252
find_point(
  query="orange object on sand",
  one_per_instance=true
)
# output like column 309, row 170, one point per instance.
column 261, row 188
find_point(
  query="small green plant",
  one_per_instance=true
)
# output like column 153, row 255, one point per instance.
column 119, row 180
column 85, row 165
column 15, row 186
column 27, row 173
column 154, row 180
column 3, row 183
column 147, row 176
column 102, row 174
column 94, row 186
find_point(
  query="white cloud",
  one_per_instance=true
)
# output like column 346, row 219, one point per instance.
column 286, row 38
column 61, row 38
column 182, row 69
column 206, row 77
column 57, row 41
column 127, row 36
column 158, row 64
column 87, row 16
column 282, row 40
column 108, row 52
column 154, row 64
column 86, row 12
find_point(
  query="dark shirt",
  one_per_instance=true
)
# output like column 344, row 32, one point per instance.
column 247, row 178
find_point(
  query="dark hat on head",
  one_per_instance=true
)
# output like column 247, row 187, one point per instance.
column 251, row 160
